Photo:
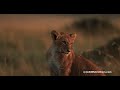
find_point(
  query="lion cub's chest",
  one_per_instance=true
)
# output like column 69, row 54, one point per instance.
column 54, row 61
column 57, row 61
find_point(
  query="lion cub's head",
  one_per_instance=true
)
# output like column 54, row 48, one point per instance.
column 63, row 41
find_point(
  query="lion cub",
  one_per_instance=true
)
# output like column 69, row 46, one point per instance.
column 61, row 56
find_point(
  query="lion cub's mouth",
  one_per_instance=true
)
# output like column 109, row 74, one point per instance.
column 65, row 52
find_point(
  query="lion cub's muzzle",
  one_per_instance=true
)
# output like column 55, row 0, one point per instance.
column 67, row 51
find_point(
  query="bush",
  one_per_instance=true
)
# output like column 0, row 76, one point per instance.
column 93, row 26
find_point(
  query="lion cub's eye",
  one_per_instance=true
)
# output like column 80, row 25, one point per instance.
column 64, row 42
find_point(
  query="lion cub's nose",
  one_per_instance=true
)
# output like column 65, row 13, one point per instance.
column 68, row 50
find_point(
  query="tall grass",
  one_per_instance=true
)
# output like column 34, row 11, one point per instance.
column 22, row 53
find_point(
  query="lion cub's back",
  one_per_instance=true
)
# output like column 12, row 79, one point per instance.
column 81, row 64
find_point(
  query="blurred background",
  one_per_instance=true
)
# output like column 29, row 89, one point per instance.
column 25, row 38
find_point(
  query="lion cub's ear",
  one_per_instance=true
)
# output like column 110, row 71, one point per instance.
column 74, row 35
column 54, row 34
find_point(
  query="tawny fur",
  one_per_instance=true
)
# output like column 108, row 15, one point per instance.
column 81, row 64
column 60, row 64
column 62, row 59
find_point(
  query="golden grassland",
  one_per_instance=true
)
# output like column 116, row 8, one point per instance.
column 23, row 45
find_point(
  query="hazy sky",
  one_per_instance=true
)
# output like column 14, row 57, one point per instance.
column 43, row 21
